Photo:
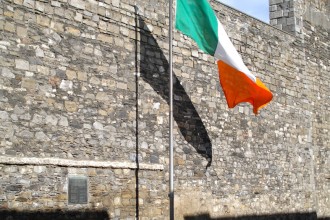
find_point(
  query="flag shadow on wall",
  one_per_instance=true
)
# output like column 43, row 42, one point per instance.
column 154, row 69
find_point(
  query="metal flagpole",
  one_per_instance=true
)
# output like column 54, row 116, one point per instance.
column 171, row 193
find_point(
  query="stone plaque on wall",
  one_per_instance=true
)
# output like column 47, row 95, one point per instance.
column 78, row 191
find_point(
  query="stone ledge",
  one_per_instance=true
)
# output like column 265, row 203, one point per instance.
column 77, row 163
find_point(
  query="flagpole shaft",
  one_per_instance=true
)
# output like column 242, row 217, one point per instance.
column 171, row 187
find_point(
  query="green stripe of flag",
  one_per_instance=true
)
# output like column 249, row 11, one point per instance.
column 196, row 19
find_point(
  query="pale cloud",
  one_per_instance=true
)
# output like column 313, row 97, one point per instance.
column 256, row 8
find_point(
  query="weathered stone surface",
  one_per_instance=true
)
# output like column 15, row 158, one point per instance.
column 77, row 3
column 41, row 136
column 73, row 31
column 52, row 120
column 66, row 85
column 37, row 119
column 105, row 38
column 29, row 84
column 70, row 106
column 97, row 125
column 63, row 121
column 10, row 27
column 22, row 64
column 43, row 20
column 43, row 70
column 4, row 115
column 95, row 80
column 71, row 74
column 7, row 73
column 21, row 31
column 39, row 52
column 82, row 76
column 102, row 96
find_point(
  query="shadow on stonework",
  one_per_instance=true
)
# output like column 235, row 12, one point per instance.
column 154, row 70
column 54, row 215
column 279, row 216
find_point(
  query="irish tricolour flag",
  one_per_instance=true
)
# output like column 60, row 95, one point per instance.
column 196, row 19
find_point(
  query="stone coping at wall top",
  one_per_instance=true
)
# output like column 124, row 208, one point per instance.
column 78, row 163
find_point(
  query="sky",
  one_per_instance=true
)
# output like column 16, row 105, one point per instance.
column 256, row 8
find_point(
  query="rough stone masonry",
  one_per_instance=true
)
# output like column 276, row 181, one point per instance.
column 84, row 95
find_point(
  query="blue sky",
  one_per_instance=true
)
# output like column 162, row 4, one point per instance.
column 256, row 8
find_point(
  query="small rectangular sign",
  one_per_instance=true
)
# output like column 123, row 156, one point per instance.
column 78, row 190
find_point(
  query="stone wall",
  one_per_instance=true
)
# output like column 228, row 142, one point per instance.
column 84, row 91
column 316, row 34
column 44, row 188
column 312, row 24
column 283, row 16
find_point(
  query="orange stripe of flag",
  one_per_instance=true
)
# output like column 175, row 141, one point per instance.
column 240, row 88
